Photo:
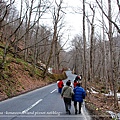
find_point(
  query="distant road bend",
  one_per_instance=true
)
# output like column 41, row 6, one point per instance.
column 41, row 104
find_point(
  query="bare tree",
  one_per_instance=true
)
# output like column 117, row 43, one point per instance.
column 104, row 50
column 114, row 23
column 111, row 53
column 28, row 20
column 54, row 44
column 118, row 3
column 84, row 39
column 4, row 9
column 10, row 35
column 91, row 44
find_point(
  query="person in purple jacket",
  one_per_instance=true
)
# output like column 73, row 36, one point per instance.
column 79, row 95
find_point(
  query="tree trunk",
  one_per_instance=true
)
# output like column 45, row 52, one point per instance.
column 27, row 38
column 104, row 52
column 84, row 39
column 91, row 59
column 111, row 54
column 91, row 45
column 56, row 17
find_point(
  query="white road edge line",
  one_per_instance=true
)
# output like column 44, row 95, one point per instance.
column 26, row 110
column 86, row 116
column 53, row 90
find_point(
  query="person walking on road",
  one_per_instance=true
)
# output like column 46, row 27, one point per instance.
column 66, row 94
column 75, row 83
column 79, row 95
column 60, row 85
column 78, row 78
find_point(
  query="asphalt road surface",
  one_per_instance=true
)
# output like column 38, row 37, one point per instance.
column 41, row 104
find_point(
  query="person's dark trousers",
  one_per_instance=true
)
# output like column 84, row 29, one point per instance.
column 67, row 102
column 75, row 105
column 59, row 90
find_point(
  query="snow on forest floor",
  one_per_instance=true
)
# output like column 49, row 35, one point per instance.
column 114, row 115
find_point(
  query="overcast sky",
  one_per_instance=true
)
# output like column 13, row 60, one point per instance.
column 73, row 21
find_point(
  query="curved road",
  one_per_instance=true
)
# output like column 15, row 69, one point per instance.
column 41, row 104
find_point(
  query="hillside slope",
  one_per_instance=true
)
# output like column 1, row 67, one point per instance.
column 19, row 77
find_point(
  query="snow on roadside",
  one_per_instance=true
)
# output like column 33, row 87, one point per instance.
column 109, row 94
column 112, row 94
column 118, row 95
column 116, row 116
column 94, row 91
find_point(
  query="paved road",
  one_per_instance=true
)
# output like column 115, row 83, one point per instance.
column 41, row 104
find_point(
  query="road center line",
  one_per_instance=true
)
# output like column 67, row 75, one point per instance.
column 53, row 90
column 26, row 110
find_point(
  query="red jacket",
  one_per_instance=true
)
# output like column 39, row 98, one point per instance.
column 75, row 84
column 60, row 84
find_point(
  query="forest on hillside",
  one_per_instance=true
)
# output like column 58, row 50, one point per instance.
column 94, row 52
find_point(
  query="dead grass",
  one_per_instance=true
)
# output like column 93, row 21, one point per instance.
column 98, row 104
column 20, row 77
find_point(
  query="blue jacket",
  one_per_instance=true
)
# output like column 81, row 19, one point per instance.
column 79, row 94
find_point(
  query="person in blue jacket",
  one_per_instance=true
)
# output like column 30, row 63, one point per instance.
column 79, row 95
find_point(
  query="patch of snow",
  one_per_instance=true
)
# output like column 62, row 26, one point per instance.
column 50, row 70
column 88, row 91
column 108, row 94
column 114, row 115
column 112, row 94
column 118, row 95
column 94, row 91
column 118, row 116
